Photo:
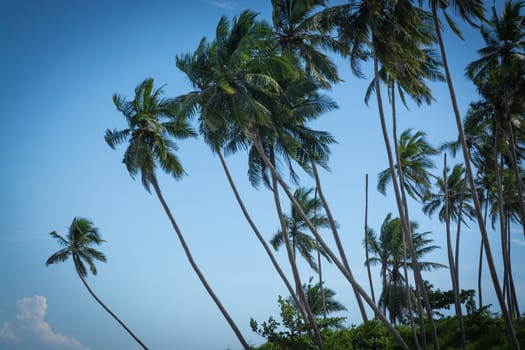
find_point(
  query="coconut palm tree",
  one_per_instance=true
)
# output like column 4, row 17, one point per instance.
column 296, row 29
column 318, row 295
column 470, row 10
column 215, row 98
column 387, row 250
column 78, row 244
column 453, row 200
column 386, row 32
column 499, row 76
column 234, row 75
column 152, row 122
column 302, row 241
column 415, row 163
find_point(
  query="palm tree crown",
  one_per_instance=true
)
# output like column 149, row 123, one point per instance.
column 151, row 120
column 77, row 244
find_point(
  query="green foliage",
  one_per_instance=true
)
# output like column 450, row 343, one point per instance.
column 371, row 335
column 484, row 330
column 444, row 299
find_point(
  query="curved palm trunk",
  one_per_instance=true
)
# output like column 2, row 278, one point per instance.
column 293, row 265
column 337, row 239
column 402, row 216
column 484, row 236
column 259, row 235
column 355, row 285
column 366, row 241
column 407, row 219
column 196, row 268
column 110, row 312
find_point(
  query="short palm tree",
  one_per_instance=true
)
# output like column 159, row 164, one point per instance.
column 302, row 241
column 389, row 252
column 152, row 122
column 82, row 235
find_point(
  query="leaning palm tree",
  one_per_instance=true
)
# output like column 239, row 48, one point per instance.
column 82, row 235
column 470, row 10
column 152, row 120
column 215, row 98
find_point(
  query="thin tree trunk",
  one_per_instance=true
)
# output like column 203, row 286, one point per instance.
column 337, row 239
column 366, row 241
column 196, row 268
column 456, row 265
column 259, row 235
column 257, row 143
column 450, row 254
column 519, row 182
column 502, row 221
column 407, row 219
column 402, row 216
column 484, row 236
column 110, row 312
column 480, row 270
column 319, row 265
column 298, row 284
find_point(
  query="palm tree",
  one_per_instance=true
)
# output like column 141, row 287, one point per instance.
column 389, row 252
column 232, row 76
column 498, row 74
column 321, row 299
column 414, row 162
column 302, row 241
column 470, row 10
column 386, row 31
column 296, row 29
column 215, row 98
column 82, row 235
column 454, row 200
column 152, row 120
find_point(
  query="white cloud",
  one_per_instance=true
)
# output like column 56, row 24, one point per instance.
column 30, row 325
column 221, row 4
column 518, row 241
column 7, row 333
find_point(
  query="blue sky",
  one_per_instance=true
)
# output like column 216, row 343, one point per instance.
column 61, row 62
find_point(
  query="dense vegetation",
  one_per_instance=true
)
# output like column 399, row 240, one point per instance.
column 256, row 88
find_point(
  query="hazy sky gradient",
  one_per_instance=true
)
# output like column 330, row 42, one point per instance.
column 61, row 62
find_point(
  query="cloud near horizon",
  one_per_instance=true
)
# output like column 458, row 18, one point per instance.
column 227, row 5
column 30, row 327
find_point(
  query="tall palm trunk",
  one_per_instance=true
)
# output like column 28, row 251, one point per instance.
column 196, row 268
column 484, row 236
column 519, row 180
column 319, row 266
column 259, row 235
column 337, row 239
column 456, row 264
column 402, row 215
column 451, row 261
column 355, row 285
column 366, row 242
column 407, row 219
column 110, row 312
column 290, row 250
